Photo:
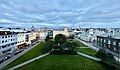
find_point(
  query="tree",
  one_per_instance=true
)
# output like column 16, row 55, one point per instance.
column 60, row 39
column 48, row 46
column 102, row 54
column 74, row 45
column 70, row 46
column 47, row 38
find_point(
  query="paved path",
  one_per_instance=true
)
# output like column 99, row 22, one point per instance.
column 90, row 57
column 84, row 47
column 16, row 56
column 24, row 63
column 97, row 48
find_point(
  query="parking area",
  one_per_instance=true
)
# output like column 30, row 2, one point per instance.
column 7, row 56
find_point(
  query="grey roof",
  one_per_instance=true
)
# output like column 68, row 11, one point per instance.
column 115, row 35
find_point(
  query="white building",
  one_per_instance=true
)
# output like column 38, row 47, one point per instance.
column 8, row 41
column 64, row 32
column 20, row 38
column 43, row 35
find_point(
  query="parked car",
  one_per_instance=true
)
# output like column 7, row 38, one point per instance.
column 7, row 57
column 18, row 52
column 1, row 61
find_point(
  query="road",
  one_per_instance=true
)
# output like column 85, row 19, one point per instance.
column 16, row 56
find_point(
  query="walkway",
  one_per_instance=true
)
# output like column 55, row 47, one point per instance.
column 16, row 56
column 90, row 57
column 24, row 63
column 84, row 47
column 97, row 48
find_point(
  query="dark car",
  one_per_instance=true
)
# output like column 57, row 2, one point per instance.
column 1, row 61
column 18, row 52
column 7, row 57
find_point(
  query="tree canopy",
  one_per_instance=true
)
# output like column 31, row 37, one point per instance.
column 60, row 39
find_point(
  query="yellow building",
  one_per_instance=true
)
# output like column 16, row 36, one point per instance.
column 64, row 32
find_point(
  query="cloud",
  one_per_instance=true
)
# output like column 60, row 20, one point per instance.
column 70, row 13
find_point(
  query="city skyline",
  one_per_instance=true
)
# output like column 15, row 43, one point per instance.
column 59, row 13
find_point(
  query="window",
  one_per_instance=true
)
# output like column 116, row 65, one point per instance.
column 4, row 46
column 114, row 43
column 2, row 41
column 104, row 45
column 8, row 36
column 15, row 42
column 119, row 44
column 104, row 41
column 5, row 36
column 98, row 39
column 11, row 39
column 101, row 44
column 11, row 35
column 101, row 40
column 6, row 41
column 2, row 36
column 12, row 44
column 108, row 41
column 8, row 44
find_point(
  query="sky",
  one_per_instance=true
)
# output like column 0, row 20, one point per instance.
column 60, row 13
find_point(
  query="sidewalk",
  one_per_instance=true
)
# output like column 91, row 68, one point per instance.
column 97, row 48
column 90, row 57
column 24, row 63
column 17, row 56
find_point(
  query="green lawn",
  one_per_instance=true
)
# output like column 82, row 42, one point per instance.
column 36, row 51
column 85, row 50
column 80, row 44
column 64, row 62
column 88, row 51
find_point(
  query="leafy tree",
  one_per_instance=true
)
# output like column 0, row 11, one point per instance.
column 47, row 38
column 60, row 39
column 48, row 46
column 70, row 46
column 102, row 54
column 74, row 45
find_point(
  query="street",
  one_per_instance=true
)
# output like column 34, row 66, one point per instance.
column 13, row 57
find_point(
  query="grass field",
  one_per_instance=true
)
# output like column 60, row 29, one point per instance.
column 36, row 51
column 64, row 62
column 80, row 44
column 88, row 51
column 58, row 62
column 85, row 50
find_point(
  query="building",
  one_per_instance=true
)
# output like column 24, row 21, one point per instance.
column 64, row 31
column 85, row 36
column 20, row 38
column 43, row 35
column 8, row 41
column 109, row 41
column 32, row 37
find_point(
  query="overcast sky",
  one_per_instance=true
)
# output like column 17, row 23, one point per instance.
column 58, row 13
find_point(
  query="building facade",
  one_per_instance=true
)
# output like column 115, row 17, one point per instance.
column 64, row 32
column 8, row 41
column 108, row 42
